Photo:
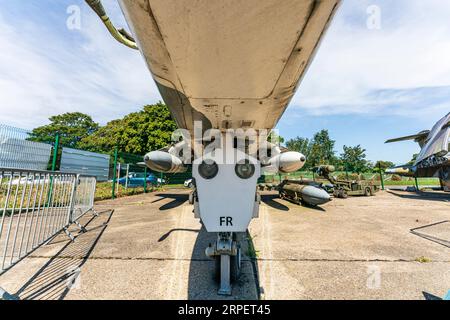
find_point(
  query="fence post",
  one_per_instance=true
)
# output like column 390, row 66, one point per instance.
column 55, row 152
column 113, row 189
column 55, row 156
column 417, row 183
column 145, row 179
column 73, row 199
column 381, row 176
column 126, row 175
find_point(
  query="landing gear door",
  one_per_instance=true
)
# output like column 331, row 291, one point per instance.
column 226, row 198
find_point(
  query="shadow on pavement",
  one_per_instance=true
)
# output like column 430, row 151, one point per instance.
column 178, row 200
column 269, row 199
column 167, row 234
column 431, row 237
column 431, row 297
column 422, row 195
column 54, row 280
column 202, row 284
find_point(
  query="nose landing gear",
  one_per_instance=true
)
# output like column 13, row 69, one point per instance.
column 227, row 254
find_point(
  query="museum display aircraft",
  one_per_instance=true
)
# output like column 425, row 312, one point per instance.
column 227, row 70
column 434, row 157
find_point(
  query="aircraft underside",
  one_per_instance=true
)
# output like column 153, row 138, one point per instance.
column 225, row 65
column 229, row 64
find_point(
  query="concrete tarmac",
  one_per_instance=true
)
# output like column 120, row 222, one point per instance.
column 151, row 247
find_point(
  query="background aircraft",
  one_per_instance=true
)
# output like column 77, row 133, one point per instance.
column 434, row 157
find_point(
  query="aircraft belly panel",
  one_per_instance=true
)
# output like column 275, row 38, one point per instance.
column 228, row 62
column 230, row 49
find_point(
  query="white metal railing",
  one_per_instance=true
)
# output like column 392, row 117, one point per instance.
column 37, row 205
column 84, row 197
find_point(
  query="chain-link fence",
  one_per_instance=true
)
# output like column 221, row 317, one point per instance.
column 131, row 176
column 17, row 151
column 117, row 173
column 120, row 173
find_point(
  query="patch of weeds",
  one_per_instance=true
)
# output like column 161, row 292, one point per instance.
column 252, row 253
column 423, row 260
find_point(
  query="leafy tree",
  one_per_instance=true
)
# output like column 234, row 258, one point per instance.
column 301, row 145
column 413, row 160
column 276, row 138
column 138, row 132
column 322, row 149
column 72, row 127
column 354, row 158
column 383, row 165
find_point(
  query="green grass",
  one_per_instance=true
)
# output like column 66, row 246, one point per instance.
column 252, row 253
column 421, row 181
column 104, row 190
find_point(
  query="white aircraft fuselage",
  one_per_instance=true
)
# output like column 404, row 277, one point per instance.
column 228, row 63
column 225, row 64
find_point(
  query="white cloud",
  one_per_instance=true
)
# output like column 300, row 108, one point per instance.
column 49, row 70
column 410, row 52
column 85, row 70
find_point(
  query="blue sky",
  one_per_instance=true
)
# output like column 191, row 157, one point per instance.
column 365, row 85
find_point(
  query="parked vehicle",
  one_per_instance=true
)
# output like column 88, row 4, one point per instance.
column 188, row 183
column 345, row 188
column 137, row 180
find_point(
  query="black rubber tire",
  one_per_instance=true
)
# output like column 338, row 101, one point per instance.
column 367, row 192
column 217, row 269
column 343, row 194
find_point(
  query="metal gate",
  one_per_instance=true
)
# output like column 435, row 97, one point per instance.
column 37, row 205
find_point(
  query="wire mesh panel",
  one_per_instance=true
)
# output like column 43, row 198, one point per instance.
column 85, row 162
column 177, row 178
column 18, row 152
column 84, row 196
column 34, row 206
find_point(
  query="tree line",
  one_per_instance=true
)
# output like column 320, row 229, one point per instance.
column 152, row 127
column 136, row 133
column 319, row 150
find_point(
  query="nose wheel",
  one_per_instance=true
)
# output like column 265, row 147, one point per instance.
column 227, row 255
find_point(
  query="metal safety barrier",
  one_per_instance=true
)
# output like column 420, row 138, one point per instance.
column 84, row 197
column 37, row 205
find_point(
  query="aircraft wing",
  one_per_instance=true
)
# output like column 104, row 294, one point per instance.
column 229, row 64
column 420, row 136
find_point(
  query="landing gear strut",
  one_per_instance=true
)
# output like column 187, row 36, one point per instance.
column 227, row 254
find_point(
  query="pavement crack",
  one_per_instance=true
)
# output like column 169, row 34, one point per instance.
column 126, row 258
column 244, row 259
column 348, row 260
